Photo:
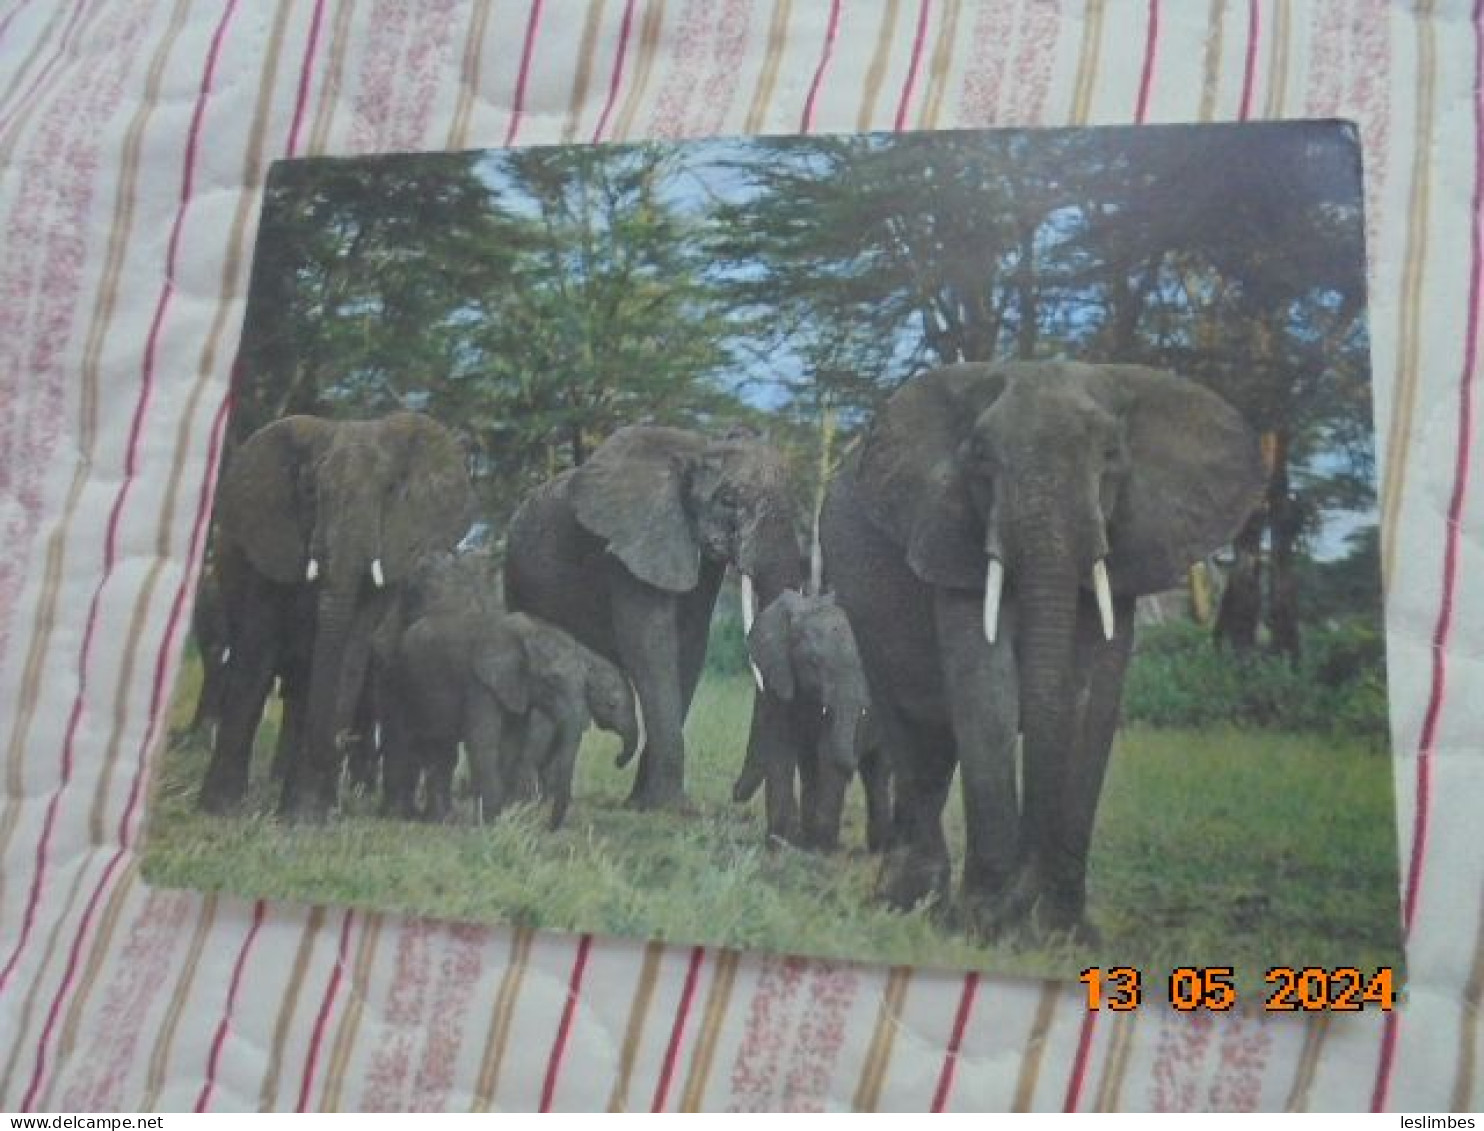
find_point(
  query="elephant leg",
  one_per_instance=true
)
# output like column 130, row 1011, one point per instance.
column 984, row 709
column 876, row 778
column 486, row 734
column 561, row 763
column 248, row 677
column 645, row 623
column 694, row 614
column 440, row 758
column 532, row 755
column 364, row 760
column 822, row 787
column 291, row 737
column 400, row 766
column 1101, row 667
column 771, row 747
column 526, row 741
column 917, row 865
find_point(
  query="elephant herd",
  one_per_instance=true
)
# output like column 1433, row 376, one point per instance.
column 983, row 547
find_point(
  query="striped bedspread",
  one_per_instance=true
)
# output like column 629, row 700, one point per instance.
column 134, row 139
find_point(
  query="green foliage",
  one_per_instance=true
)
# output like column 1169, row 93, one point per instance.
column 726, row 654
column 1224, row 846
column 535, row 300
column 1178, row 678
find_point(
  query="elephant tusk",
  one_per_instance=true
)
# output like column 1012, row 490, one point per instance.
column 376, row 574
column 643, row 738
column 311, row 572
column 226, row 655
column 994, row 583
column 1104, row 593
column 749, row 614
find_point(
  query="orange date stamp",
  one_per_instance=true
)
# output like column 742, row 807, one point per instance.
column 1291, row 989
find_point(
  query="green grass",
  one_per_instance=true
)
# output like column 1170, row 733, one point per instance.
column 1225, row 847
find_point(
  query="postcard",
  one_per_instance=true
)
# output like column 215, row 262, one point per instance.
column 954, row 549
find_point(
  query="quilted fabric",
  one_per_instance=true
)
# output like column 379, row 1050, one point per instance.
column 134, row 139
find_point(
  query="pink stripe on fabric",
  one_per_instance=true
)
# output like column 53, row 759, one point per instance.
column 63, row 42
column 1442, row 631
column 111, row 548
column 11, row 15
column 817, row 1043
column 1249, row 68
column 1146, row 82
column 677, row 1030
column 322, row 1019
column 95, row 899
column 955, row 1042
column 518, row 102
column 564, row 1028
column 213, row 1062
column 806, row 123
column 453, row 994
column 909, row 87
column 305, row 72
column 615, row 81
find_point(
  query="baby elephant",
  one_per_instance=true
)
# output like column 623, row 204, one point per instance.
column 811, row 720
column 518, row 692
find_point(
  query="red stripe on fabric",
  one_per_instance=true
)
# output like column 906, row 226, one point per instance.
column 41, row 75
column 213, row 1062
column 1079, row 1063
column 110, row 549
column 305, row 72
column 807, row 122
column 1147, row 80
column 559, row 1046
column 615, row 81
column 910, row 85
column 74, row 955
column 677, row 1030
column 322, row 1019
column 517, row 105
column 1249, row 68
column 955, row 1042
column 1444, row 626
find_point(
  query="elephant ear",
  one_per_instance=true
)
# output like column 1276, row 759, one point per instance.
column 431, row 503
column 500, row 663
column 1196, row 474
column 631, row 493
column 910, row 478
column 769, row 645
column 266, row 500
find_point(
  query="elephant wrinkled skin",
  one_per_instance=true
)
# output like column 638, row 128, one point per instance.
column 319, row 522
column 627, row 553
column 988, row 542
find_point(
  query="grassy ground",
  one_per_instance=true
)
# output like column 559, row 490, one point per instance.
column 1232, row 848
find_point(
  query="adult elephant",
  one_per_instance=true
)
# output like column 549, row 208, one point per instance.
column 318, row 524
column 988, row 542
column 627, row 553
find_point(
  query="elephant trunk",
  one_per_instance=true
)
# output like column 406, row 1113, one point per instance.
column 1048, row 609
column 309, row 790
